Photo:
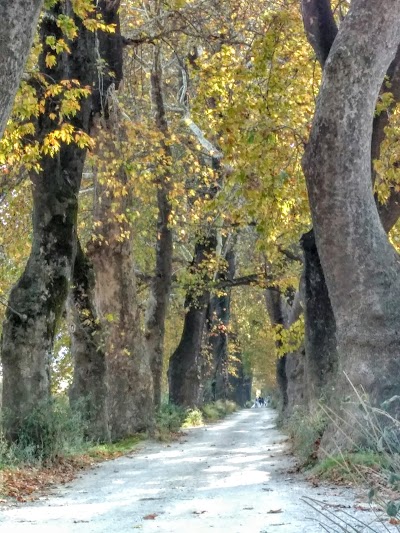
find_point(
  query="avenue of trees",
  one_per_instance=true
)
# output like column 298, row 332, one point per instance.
column 198, row 200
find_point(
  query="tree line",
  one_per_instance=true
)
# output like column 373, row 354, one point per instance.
column 173, row 157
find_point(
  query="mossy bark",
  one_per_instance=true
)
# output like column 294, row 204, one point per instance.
column 38, row 299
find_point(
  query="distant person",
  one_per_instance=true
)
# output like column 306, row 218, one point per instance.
column 255, row 404
column 261, row 401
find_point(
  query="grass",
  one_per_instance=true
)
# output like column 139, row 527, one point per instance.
column 351, row 467
column 217, row 410
column 373, row 464
column 111, row 450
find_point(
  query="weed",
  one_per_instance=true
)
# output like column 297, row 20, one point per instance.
column 194, row 417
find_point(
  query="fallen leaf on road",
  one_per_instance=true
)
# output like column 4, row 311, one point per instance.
column 274, row 511
column 394, row 521
column 150, row 516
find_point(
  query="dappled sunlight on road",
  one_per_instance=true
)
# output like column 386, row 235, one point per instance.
column 230, row 477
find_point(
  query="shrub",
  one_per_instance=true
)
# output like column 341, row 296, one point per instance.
column 169, row 418
column 194, row 417
column 216, row 410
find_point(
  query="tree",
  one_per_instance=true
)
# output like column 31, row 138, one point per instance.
column 363, row 286
column 37, row 300
column 19, row 21
column 321, row 357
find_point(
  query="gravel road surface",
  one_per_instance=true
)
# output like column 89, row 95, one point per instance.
column 236, row 476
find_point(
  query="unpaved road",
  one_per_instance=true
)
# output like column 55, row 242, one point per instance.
column 231, row 477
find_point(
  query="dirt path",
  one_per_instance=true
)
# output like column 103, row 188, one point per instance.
column 232, row 477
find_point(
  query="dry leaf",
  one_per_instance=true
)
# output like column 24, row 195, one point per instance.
column 150, row 516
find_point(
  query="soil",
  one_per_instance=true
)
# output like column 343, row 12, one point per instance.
column 236, row 476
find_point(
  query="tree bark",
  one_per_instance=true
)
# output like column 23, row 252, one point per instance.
column 240, row 383
column 19, row 21
column 321, row 357
column 89, row 390
column 320, row 328
column 130, row 390
column 37, row 300
column 361, row 267
column 219, row 318
column 273, row 300
column 161, row 283
column 184, row 372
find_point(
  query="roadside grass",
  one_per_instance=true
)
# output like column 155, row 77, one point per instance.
column 305, row 431
column 351, row 468
column 373, row 466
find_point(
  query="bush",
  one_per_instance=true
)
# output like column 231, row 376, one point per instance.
column 51, row 431
column 217, row 410
column 170, row 418
column 194, row 417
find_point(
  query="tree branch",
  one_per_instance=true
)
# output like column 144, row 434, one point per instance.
column 320, row 26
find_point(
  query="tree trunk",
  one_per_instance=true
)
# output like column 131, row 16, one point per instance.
column 289, row 374
column 219, row 312
column 184, row 372
column 89, row 390
column 38, row 299
column 161, row 283
column 19, row 21
column 321, row 357
column 240, row 383
column 361, row 267
column 130, row 391
column 273, row 299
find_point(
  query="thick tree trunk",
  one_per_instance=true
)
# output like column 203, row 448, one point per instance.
column 361, row 267
column 219, row 318
column 320, row 327
column 89, row 389
column 321, row 357
column 38, row 298
column 161, row 283
column 130, row 390
column 19, row 21
column 184, row 372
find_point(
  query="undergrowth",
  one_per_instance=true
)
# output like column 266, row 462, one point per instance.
column 305, row 430
column 170, row 418
column 372, row 436
column 50, row 432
